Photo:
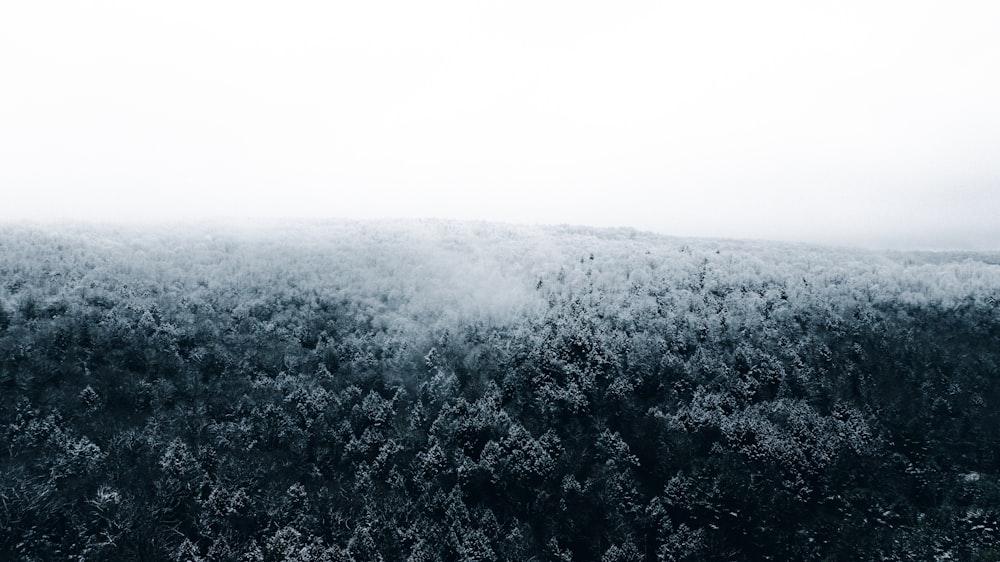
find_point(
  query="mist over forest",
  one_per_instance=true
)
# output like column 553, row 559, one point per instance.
column 429, row 390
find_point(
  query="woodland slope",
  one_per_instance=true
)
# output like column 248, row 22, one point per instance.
column 336, row 391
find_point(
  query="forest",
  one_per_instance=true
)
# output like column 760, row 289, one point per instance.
column 425, row 390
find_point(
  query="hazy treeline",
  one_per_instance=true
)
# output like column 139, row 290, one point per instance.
column 450, row 391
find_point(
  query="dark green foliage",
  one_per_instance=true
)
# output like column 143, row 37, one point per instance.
column 346, row 392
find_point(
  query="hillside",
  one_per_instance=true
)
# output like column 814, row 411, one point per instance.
column 429, row 390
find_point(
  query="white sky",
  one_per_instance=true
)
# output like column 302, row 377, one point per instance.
column 861, row 122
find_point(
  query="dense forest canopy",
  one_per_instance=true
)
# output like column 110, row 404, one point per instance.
column 425, row 390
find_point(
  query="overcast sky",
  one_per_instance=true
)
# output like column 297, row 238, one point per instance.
column 874, row 123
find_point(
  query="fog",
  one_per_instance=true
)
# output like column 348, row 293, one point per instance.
column 855, row 123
